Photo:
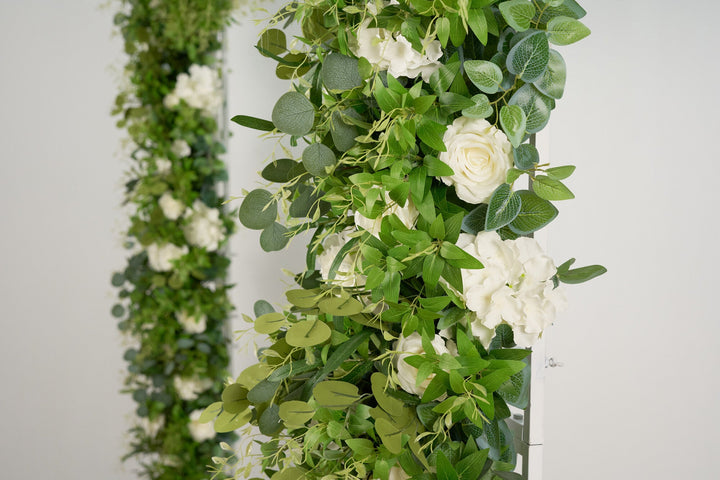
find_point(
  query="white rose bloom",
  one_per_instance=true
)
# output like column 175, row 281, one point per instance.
column 192, row 323
column 346, row 276
column 152, row 427
column 180, row 148
column 406, row 373
column 514, row 288
column 479, row 154
column 205, row 228
column 201, row 89
column 171, row 208
column 200, row 431
column 188, row 388
column 408, row 216
column 396, row 55
column 161, row 256
column 163, row 166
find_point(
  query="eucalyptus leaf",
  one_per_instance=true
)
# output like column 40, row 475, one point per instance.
column 210, row 412
column 340, row 72
column 307, row 333
column 270, row 322
column 290, row 473
column 513, row 122
column 316, row 158
column 474, row 222
column 480, row 109
column 258, row 210
column 293, row 114
column 529, row 58
column 272, row 42
column 335, row 395
column 282, row 170
column 296, row 412
column 263, row 392
column 303, row 298
column 227, row 422
column 526, row 156
column 484, row 75
column 535, row 106
column 342, row 307
column 552, row 82
column 390, row 435
column 269, row 422
column 274, row 237
column 343, row 133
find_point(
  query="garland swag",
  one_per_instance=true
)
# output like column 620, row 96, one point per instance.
column 173, row 301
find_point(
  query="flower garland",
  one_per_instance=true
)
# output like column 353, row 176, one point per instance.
column 173, row 301
column 405, row 340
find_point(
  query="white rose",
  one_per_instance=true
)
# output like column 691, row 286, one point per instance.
column 408, row 216
column 479, row 154
column 346, row 276
column 163, row 166
column 171, row 208
column 192, row 323
column 152, row 427
column 200, row 431
column 180, row 148
column 188, row 388
column 160, row 257
column 406, row 373
column 205, row 228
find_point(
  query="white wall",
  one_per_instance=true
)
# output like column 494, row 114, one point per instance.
column 639, row 124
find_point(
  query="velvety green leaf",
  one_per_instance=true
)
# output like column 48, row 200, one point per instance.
column 481, row 107
column 535, row 213
column 307, row 333
column 340, row 72
column 258, row 210
column 552, row 82
column 306, row 203
column 518, row 13
column 335, row 395
column 316, row 158
column 274, row 237
column 253, row 122
column 526, row 156
column 485, row 75
column 513, row 122
column 535, row 106
column 551, row 189
column 529, row 58
column 293, row 114
column 503, row 207
column 566, row 30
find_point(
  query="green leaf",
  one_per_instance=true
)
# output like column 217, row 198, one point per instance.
column 293, row 114
column 560, row 173
column 387, row 99
column 529, row 58
column 282, row 170
column 212, row 411
column 437, row 228
column 306, row 203
column 316, row 158
column 362, row 447
column 258, row 210
column 503, row 207
column 253, row 122
column 478, row 24
column 512, row 175
column 423, row 103
column 443, row 30
column 481, row 108
column 340, row 72
column 272, row 42
column 335, row 395
column 484, row 75
column 437, row 387
column 552, row 82
column 535, row 213
column 534, row 105
column 454, row 102
column 568, row 8
column 474, row 221
column 566, row 30
column 118, row 310
column 518, row 13
column 291, row 473
column 341, row 307
column 445, row 470
column 292, row 65
column 436, row 167
column 507, row 475
column 295, row 368
column 472, row 465
column 390, row 435
column 513, row 122
column 269, row 422
column 580, row 275
column 270, row 322
column 444, row 76
column 526, row 156
column 227, row 422
column 431, row 133
column 457, row 257
column 307, row 333
column 551, row 189
column 274, row 237
column 303, row 298
column 343, row 133
column 262, row 392
column 296, row 412
column 433, row 267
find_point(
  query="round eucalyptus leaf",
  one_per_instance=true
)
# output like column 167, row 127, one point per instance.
column 269, row 422
column 292, row 65
column 118, row 310
column 118, row 279
column 341, row 307
column 528, row 59
column 261, row 307
column 342, row 132
column 535, row 106
column 390, row 435
column 227, row 422
column 335, row 395
column 210, row 412
column 340, row 72
column 270, row 322
column 303, row 298
column 526, row 156
column 282, row 170
column 293, row 114
column 234, row 398
column 263, row 392
column 258, row 210
column 274, row 237
column 316, row 158
column 308, row 333
column 291, row 473
column 296, row 412
column 273, row 42
column 486, row 76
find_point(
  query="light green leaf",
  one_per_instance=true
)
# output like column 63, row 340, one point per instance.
column 361, row 447
column 513, row 122
column 552, row 82
column 272, row 42
column 534, row 214
column 444, row 76
column 478, row 24
column 566, row 30
column 270, row 322
column 560, row 173
column 534, row 105
column 227, row 422
column 433, row 267
column 303, row 298
column 454, row 102
column 316, row 158
column 296, row 412
column 258, row 210
column 518, row 13
column 457, row 257
column 341, row 307
column 526, row 156
column 293, row 114
column 291, row 473
column 436, row 167
column 335, row 395
column 210, row 412
column 390, row 435
column 485, row 75
column 308, row 333
column 443, row 30
column 393, row 406
column 551, row 189
column 274, row 237
column 503, row 207
column 529, row 58
column 340, row 72
column 481, row 109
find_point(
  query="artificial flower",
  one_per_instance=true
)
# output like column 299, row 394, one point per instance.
column 163, row 166
column 406, row 373
column 152, row 427
column 345, row 276
column 160, row 257
column 171, row 207
column 192, row 323
column 180, row 148
column 188, row 388
column 201, row 89
column 200, row 431
column 408, row 215
column 205, row 228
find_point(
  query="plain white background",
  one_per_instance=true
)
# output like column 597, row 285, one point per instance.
column 637, row 396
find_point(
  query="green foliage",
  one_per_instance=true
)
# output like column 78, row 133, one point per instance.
column 293, row 114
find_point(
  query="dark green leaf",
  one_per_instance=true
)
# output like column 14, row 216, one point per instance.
column 583, row 274
column 258, row 210
column 316, row 158
column 253, row 122
column 340, row 72
column 262, row 392
column 293, row 114
column 274, row 237
column 526, row 156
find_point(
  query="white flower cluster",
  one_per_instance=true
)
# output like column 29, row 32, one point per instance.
column 408, row 216
column 188, row 388
column 201, row 89
column 395, row 53
column 346, row 276
column 163, row 166
column 192, row 323
column 514, row 288
column 180, row 148
column 205, row 228
column 170, row 206
column 160, row 257
column 479, row 154
column 152, row 427
column 412, row 345
column 200, row 431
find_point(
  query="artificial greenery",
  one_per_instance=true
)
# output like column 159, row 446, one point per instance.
column 173, row 302
column 402, row 345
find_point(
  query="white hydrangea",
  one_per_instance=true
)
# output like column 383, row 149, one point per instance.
column 205, row 228
column 514, row 288
column 395, row 53
column 161, row 256
column 192, row 323
column 180, row 148
column 201, row 89
column 152, row 427
column 188, row 388
column 200, row 431
column 163, row 166
column 171, row 207
column 346, row 276
column 406, row 373
column 408, row 216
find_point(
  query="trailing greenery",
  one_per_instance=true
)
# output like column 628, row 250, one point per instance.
column 173, row 302
column 405, row 340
